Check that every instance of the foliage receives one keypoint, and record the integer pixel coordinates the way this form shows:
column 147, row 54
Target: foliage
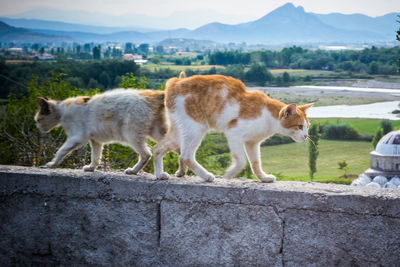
column 90, row 74
column 277, row 139
column 398, row 38
column 258, row 73
column 386, row 125
column 378, row 135
column 229, row 58
column 313, row 149
column 340, row 131
column 363, row 126
column 130, row 81
column 18, row 132
column 343, row 166
column 372, row 60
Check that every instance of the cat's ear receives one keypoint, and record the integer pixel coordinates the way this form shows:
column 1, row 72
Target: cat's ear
column 306, row 106
column 44, row 105
column 290, row 110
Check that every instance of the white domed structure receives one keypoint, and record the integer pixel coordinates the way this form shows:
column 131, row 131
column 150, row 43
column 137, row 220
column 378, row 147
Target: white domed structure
column 385, row 160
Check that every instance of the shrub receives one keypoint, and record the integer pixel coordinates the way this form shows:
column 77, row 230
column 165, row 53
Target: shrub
column 378, row 135
column 277, row 139
column 386, row 125
column 340, row 131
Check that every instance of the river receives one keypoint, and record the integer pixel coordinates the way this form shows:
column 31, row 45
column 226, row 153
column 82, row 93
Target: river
column 380, row 110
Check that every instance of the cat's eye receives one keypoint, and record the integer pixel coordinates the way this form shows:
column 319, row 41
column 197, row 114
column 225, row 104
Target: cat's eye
column 300, row 127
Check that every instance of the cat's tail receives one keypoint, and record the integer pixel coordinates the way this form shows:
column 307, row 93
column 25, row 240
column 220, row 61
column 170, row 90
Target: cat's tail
column 171, row 82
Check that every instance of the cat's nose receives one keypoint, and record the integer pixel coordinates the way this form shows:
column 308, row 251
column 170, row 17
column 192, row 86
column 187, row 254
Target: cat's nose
column 305, row 136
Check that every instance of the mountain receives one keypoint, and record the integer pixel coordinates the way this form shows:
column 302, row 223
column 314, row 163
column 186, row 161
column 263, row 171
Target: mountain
column 125, row 36
column 385, row 25
column 286, row 24
column 192, row 18
column 69, row 27
column 13, row 34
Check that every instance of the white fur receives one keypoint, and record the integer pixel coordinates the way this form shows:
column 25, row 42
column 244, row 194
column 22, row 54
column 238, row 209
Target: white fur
column 243, row 139
column 116, row 116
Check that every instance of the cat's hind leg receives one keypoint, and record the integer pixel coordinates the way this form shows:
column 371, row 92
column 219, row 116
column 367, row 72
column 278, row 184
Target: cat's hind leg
column 182, row 166
column 253, row 153
column 140, row 146
column 168, row 143
column 96, row 152
column 190, row 137
column 236, row 148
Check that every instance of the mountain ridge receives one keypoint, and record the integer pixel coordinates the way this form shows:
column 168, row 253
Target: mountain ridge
column 286, row 24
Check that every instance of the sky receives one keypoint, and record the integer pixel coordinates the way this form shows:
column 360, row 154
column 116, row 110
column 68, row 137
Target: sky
column 187, row 13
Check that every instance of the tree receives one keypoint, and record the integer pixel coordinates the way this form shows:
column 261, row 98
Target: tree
column 130, row 81
column 143, row 48
column 398, row 38
column 105, row 79
column 96, row 52
column 386, row 126
column 128, row 48
column 378, row 135
column 313, row 148
column 343, row 166
column 285, row 77
column 258, row 73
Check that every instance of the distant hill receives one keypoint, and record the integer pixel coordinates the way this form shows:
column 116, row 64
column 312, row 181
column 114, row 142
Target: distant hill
column 286, row 24
column 13, row 34
column 126, row 36
column 68, row 27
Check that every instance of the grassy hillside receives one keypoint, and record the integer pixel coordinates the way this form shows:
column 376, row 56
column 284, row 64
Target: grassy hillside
column 290, row 161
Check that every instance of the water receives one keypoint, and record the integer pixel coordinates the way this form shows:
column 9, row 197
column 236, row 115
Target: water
column 382, row 110
column 394, row 92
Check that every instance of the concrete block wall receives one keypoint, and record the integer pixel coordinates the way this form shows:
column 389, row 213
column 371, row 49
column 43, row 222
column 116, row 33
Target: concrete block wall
column 68, row 217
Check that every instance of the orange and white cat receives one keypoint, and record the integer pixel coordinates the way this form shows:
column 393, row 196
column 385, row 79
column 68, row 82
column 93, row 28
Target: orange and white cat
column 124, row 116
column 198, row 103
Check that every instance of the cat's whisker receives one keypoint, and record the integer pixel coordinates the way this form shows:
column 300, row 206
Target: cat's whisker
column 311, row 141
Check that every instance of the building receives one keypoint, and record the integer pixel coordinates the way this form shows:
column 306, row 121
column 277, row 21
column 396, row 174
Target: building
column 137, row 58
column 385, row 159
column 384, row 168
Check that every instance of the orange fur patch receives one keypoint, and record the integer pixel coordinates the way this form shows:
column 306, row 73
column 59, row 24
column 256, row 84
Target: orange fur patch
column 232, row 123
column 207, row 95
column 79, row 100
column 294, row 120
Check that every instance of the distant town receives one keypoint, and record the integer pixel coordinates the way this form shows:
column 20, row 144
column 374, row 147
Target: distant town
column 139, row 53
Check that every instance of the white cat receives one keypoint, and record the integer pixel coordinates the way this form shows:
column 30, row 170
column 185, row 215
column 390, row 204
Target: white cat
column 198, row 103
column 124, row 116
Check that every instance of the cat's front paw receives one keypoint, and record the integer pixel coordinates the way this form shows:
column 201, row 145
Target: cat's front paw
column 88, row 168
column 163, row 176
column 209, row 177
column 267, row 178
column 131, row 171
column 50, row 164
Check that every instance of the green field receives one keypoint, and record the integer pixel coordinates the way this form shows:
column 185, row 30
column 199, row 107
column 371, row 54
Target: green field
column 364, row 126
column 302, row 72
column 290, row 161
